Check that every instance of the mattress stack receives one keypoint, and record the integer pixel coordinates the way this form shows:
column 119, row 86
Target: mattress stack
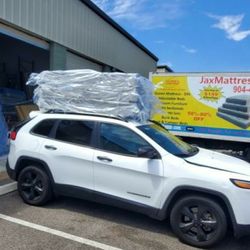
column 236, row 110
column 86, row 91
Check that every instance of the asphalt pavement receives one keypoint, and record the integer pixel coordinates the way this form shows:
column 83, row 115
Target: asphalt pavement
column 67, row 223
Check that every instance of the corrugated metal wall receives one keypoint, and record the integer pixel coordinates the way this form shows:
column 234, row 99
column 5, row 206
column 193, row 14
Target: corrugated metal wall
column 77, row 62
column 74, row 25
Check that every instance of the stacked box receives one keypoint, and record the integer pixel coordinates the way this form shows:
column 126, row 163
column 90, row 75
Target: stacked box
column 87, row 91
column 236, row 110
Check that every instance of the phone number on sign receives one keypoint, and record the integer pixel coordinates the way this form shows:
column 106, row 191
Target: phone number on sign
column 240, row 89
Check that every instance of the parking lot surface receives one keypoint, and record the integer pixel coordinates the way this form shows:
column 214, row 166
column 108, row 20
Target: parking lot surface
column 67, row 223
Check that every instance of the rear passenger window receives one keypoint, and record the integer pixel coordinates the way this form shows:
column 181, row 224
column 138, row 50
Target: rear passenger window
column 44, row 127
column 78, row 132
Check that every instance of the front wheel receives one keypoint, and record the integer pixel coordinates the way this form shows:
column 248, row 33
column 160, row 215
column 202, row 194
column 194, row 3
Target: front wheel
column 34, row 186
column 198, row 221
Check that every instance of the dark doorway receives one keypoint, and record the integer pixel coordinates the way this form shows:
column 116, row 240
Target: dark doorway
column 18, row 60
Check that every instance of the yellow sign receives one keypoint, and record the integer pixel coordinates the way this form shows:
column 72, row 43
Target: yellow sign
column 204, row 104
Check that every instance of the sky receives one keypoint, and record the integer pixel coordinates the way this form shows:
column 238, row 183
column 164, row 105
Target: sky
column 188, row 35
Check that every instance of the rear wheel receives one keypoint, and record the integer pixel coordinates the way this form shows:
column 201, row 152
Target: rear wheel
column 34, row 186
column 198, row 221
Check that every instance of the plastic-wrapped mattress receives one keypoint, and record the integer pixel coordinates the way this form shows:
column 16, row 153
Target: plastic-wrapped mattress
column 87, row 91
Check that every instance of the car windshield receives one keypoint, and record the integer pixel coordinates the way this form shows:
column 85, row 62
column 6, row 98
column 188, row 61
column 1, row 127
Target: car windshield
column 168, row 141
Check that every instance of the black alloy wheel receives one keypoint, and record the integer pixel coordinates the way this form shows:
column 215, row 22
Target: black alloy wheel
column 34, row 186
column 198, row 221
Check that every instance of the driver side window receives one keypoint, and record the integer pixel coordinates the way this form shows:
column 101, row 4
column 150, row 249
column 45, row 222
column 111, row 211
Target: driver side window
column 119, row 139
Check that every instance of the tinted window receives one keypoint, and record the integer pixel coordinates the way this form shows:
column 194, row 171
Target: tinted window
column 119, row 139
column 44, row 127
column 78, row 132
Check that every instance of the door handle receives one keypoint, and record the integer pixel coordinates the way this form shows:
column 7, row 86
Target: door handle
column 49, row 147
column 103, row 158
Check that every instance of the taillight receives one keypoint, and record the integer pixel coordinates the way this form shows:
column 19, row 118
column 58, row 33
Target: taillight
column 13, row 135
column 15, row 129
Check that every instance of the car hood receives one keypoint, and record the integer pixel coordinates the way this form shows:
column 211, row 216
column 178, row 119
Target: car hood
column 215, row 160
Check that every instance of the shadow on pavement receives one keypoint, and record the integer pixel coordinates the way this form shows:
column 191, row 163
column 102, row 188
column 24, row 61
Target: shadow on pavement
column 136, row 220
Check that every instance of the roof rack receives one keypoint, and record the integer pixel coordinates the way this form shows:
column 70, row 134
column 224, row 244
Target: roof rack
column 57, row 111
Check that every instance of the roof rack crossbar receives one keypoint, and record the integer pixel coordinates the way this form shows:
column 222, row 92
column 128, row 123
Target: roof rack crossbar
column 56, row 111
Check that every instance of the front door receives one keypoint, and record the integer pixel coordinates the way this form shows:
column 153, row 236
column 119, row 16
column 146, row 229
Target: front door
column 120, row 173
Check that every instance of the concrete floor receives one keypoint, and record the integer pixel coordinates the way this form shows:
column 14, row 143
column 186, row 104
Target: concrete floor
column 2, row 163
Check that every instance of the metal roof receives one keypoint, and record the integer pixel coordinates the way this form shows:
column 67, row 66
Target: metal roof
column 103, row 15
column 165, row 67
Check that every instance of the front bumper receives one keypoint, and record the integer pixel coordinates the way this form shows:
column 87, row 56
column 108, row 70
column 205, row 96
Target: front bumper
column 11, row 172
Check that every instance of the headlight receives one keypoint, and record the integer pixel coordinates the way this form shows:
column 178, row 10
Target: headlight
column 241, row 183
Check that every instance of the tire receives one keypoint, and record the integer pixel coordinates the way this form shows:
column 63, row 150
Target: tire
column 34, row 186
column 198, row 221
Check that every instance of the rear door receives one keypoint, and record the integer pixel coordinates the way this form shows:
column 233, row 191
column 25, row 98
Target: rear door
column 69, row 153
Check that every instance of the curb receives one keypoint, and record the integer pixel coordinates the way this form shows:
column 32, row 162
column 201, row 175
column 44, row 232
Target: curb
column 8, row 188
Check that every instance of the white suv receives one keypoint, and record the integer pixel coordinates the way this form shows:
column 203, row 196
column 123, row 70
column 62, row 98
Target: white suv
column 132, row 166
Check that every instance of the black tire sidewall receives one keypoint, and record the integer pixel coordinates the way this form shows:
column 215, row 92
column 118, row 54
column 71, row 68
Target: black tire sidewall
column 46, row 195
column 213, row 206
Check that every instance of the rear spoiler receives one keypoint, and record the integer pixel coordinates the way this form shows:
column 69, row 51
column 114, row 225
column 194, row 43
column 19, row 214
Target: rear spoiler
column 33, row 114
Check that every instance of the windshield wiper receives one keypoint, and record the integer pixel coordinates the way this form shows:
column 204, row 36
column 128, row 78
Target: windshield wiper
column 190, row 153
column 194, row 151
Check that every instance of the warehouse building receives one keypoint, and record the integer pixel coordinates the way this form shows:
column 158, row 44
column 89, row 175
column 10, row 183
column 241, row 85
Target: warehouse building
column 37, row 35
column 163, row 69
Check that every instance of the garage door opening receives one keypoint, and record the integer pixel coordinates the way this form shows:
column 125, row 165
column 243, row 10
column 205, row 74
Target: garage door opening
column 17, row 60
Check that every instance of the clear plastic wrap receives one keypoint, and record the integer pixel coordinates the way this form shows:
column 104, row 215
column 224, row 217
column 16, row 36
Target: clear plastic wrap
column 87, row 91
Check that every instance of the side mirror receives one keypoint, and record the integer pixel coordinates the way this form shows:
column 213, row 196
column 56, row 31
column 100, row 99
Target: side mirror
column 147, row 152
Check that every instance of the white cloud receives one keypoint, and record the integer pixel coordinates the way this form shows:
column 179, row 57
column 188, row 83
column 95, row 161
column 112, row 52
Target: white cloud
column 143, row 14
column 231, row 25
column 103, row 4
column 124, row 9
column 188, row 50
